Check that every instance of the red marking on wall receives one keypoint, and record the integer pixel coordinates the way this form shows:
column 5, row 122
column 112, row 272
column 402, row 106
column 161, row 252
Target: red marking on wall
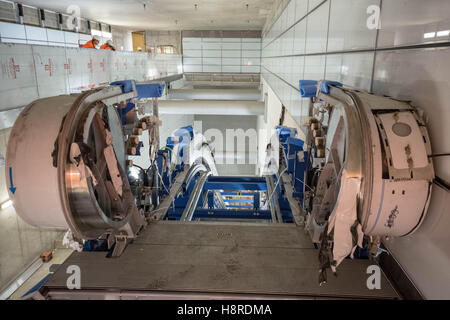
column 10, row 69
column 49, row 67
column 68, row 66
column 91, row 66
column 102, row 65
column 15, row 68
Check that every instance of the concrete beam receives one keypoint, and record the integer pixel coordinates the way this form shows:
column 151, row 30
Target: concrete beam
column 209, row 107
column 215, row 94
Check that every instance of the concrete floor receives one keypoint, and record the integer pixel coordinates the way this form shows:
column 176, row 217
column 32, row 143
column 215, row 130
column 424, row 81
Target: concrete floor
column 212, row 260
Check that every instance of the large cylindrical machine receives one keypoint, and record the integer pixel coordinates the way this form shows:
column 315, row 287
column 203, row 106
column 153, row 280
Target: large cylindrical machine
column 371, row 171
column 66, row 165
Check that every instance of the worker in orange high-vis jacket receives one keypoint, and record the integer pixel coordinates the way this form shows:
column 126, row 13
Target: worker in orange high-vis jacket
column 108, row 46
column 92, row 44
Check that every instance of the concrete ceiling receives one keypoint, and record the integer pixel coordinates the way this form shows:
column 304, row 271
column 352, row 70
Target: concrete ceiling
column 169, row 14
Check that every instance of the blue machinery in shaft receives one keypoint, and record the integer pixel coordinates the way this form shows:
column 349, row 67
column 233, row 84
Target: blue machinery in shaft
column 199, row 195
column 183, row 185
column 188, row 189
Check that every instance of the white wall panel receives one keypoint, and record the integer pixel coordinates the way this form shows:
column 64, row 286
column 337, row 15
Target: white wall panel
column 204, row 40
column 222, row 55
column 211, row 46
column 317, row 29
column 250, row 69
column 314, row 67
column 191, row 45
column 212, row 53
column 188, row 61
column 231, row 46
column 207, row 68
column 192, row 53
column 231, row 54
column 36, row 33
column 18, row 85
column 76, row 65
column 212, row 61
column 231, row 69
column 12, row 30
column 71, row 38
column 251, row 61
column 301, row 7
column 251, row 53
column 352, row 32
column 32, row 72
column 231, row 61
column 251, row 46
column 55, row 36
column 353, row 69
column 313, row 3
column 405, row 22
column 50, row 72
column 299, row 37
column 290, row 16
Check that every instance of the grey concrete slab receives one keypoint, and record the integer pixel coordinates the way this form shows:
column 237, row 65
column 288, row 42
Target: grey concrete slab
column 214, row 258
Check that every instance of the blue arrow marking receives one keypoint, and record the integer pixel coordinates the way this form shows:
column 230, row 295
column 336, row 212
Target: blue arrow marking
column 12, row 188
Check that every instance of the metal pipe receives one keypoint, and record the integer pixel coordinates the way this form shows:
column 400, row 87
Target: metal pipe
column 195, row 196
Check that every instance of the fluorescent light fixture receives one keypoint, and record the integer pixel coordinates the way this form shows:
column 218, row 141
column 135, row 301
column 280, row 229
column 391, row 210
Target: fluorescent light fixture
column 429, row 35
column 443, row 33
column 7, row 204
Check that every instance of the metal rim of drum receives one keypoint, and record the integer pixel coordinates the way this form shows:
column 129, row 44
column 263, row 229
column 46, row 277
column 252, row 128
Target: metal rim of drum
column 354, row 118
column 98, row 223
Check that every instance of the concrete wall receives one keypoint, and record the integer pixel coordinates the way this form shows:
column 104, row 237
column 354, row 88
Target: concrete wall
column 30, row 72
column 20, row 244
column 316, row 39
column 222, row 124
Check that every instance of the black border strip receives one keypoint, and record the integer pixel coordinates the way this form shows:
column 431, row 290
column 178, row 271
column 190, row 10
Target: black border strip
column 442, row 183
column 398, row 277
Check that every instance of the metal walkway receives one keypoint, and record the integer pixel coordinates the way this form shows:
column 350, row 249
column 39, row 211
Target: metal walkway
column 214, row 260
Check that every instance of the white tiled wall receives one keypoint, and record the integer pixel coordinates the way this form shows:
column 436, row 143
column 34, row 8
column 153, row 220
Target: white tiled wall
column 30, row 72
column 19, row 33
column 233, row 55
column 329, row 39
